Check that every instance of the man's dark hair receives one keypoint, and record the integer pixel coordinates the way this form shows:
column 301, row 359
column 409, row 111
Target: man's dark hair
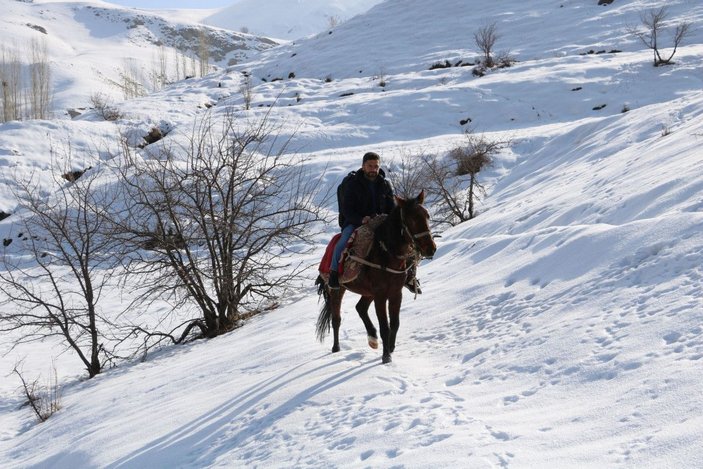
column 371, row 156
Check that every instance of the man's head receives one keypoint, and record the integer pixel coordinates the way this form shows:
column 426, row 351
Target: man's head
column 371, row 165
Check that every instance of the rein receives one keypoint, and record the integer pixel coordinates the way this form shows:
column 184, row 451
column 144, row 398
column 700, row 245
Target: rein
column 415, row 254
column 413, row 236
column 378, row 266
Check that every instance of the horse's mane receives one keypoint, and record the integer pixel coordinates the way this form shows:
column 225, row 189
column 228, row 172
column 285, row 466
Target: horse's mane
column 390, row 233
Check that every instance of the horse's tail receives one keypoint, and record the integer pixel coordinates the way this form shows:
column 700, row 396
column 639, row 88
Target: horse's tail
column 324, row 320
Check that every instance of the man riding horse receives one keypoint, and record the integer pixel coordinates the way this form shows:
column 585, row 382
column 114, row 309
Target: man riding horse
column 368, row 193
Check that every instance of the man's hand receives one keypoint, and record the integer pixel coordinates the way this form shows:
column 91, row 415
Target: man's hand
column 365, row 220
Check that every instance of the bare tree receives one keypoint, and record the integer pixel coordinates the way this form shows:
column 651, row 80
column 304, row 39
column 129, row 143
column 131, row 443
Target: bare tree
column 450, row 199
column 654, row 22
column 485, row 39
column 454, row 197
column 211, row 227
column 203, row 52
column 53, row 279
column 40, row 74
column 469, row 159
column 246, row 88
column 409, row 175
column 11, row 81
column 333, row 21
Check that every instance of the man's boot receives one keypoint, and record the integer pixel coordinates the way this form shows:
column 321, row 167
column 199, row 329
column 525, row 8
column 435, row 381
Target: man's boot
column 413, row 284
column 334, row 280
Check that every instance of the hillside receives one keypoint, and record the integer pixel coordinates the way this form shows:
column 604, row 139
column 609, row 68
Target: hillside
column 91, row 45
column 285, row 20
column 560, row 327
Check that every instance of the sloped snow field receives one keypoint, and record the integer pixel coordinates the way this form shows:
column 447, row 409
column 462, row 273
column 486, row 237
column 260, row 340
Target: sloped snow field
column 561, row 327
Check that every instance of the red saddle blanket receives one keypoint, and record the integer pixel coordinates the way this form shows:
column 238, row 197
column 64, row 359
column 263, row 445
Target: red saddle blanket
column 359, row 245
column 326, row 261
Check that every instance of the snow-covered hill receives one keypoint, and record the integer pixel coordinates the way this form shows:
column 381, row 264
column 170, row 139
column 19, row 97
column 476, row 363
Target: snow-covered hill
column 561, row 327
column 92, row 45
column 287, row 19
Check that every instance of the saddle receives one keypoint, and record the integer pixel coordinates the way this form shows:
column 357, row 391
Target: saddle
column 359, row 245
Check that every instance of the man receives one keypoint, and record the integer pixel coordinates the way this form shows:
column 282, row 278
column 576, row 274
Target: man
column 366, row 195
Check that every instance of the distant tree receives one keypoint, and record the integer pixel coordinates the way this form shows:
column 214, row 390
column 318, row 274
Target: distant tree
column 333, row 21
column 203, row 52
column 654, row 22
column 210, row 224
column 246, row 88
column 485, row 39
column 11, row 81
column 40, row 74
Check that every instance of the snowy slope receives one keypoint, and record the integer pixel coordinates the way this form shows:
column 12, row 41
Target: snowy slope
column 561, row 327
column 92, row 43
column 287, row 19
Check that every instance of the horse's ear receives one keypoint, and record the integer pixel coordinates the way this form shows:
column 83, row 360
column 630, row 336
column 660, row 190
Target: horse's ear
column 399, row 201
column 421, row 197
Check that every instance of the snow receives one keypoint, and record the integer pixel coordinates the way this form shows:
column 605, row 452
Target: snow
column 287, row 19
column 561, row 327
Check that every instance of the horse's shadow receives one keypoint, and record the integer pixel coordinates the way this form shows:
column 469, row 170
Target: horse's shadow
column 201, row 441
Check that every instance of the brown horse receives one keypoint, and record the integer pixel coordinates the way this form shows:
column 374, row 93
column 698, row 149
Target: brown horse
column 399, row 240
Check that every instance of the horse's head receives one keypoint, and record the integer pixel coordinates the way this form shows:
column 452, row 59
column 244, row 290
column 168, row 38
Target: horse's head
column 416, row 224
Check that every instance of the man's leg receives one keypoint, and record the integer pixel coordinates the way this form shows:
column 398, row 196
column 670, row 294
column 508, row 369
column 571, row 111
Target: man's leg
column 334, row 274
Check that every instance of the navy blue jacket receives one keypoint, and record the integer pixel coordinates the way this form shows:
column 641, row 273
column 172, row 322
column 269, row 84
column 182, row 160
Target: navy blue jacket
column 367, row 198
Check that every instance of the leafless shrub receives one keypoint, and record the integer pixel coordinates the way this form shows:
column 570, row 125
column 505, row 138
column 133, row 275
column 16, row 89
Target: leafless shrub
column 44, row 400
column 104, row 107
column 505, row 60
column 654, row 22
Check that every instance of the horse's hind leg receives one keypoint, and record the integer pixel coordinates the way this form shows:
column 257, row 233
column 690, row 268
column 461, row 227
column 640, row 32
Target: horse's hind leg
column 336, row 305
column 362, row 307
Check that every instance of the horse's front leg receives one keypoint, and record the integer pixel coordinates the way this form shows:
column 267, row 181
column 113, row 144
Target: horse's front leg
column 362, row 307
column 394, row 314
column 380, row 304
column 336, row 305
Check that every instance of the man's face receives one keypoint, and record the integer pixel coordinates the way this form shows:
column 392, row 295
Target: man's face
column 371, row 168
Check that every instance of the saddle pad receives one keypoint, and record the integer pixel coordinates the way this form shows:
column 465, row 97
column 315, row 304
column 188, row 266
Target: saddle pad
column 359, row 245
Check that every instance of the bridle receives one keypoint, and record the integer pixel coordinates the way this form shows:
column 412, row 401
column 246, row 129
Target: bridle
column 413, row 236
column 415, row 254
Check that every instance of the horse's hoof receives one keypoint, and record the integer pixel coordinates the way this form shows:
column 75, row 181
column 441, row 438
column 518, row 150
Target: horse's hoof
column 335, row 349
column 386, row 359
column 373, row 342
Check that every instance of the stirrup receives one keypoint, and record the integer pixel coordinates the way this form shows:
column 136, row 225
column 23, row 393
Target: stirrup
column 413, row 285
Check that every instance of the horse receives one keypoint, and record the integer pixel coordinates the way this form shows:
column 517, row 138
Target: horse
column 399, row 241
